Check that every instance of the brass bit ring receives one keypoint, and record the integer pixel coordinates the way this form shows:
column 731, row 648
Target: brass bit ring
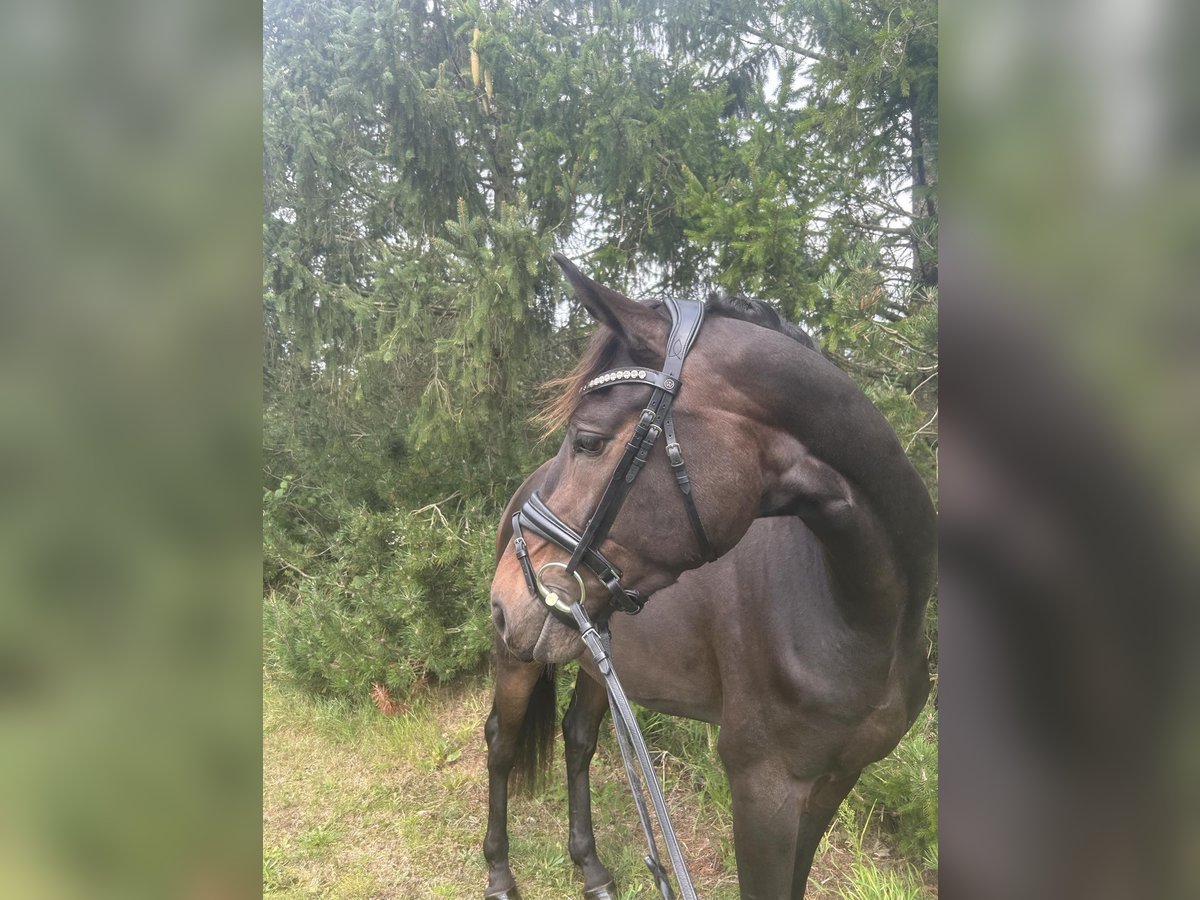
column 550, row 597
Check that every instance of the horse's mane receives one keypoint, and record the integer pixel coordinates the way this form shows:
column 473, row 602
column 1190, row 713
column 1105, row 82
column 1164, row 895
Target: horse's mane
column 563, row 392
column 758, row 313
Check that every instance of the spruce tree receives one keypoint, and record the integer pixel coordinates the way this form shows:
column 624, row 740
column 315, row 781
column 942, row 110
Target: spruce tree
column 422, row 160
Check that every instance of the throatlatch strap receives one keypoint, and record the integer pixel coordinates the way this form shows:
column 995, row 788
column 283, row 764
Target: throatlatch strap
column 675, row 455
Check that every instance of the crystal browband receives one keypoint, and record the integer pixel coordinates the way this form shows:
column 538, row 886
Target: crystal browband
column 633, row 376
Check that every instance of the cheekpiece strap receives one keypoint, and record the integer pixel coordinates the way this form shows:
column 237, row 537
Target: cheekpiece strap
column 686, row 319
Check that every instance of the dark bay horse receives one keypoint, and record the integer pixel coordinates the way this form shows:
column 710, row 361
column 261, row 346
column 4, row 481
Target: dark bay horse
column 804, row 641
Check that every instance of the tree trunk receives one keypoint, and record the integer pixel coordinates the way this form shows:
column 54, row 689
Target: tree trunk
column 924, row 189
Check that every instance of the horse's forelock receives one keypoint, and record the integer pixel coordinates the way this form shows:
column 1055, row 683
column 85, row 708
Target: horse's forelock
column 563, row 393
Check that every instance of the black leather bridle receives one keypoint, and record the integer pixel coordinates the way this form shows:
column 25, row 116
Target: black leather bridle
column 534, row 515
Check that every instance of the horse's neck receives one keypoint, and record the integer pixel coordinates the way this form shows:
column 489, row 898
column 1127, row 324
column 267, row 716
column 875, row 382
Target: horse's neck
column 840, row 468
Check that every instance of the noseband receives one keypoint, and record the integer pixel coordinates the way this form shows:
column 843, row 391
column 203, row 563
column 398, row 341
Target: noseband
column 535, row 515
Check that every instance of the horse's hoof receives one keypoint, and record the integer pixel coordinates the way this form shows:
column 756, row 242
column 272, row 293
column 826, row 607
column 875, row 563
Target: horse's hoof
column 510, row 894
column 604, row 892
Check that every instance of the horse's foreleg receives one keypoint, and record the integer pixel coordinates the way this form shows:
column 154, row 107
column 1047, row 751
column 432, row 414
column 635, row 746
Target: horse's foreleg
column 825, row 795
column 766, row 813
column 515, row 682
column 581, row 728
column 778, row 821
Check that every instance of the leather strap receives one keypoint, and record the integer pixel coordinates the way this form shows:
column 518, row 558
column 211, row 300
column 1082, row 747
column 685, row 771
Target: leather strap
column 686, row 320
column 541, row 521
column 675, row 455
column 628, row 733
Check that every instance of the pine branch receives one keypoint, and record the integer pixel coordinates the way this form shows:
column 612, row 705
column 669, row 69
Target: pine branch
column 782, row 44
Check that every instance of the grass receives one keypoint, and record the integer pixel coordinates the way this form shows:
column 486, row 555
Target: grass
column 360, row 805
column 870, row 882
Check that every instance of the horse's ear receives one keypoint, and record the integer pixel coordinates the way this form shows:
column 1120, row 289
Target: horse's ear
column 640, row 327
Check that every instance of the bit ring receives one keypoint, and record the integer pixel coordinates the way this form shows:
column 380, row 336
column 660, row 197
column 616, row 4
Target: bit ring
column 551, row 598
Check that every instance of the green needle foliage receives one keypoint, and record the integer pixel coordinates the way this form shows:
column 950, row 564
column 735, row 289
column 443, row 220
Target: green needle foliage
column 422, row 160
column 900, row 793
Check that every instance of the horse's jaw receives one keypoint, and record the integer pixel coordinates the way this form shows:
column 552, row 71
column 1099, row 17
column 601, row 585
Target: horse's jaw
column 557, row 642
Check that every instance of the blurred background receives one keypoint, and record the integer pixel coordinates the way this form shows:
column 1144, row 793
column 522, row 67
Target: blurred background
column 131, row 328
column 1070, row 472
column 130, row 177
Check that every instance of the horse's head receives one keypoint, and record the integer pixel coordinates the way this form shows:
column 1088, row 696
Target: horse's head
column 721, row 429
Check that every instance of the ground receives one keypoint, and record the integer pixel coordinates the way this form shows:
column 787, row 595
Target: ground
column 357, row 804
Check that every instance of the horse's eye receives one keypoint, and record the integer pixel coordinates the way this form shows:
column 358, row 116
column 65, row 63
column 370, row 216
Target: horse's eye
column 591, row 444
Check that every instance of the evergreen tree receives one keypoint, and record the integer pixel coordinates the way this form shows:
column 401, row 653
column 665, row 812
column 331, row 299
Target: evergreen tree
column 423, row 158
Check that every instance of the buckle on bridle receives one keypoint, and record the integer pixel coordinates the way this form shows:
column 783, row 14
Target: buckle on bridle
column 628, row 602
column 675, row 454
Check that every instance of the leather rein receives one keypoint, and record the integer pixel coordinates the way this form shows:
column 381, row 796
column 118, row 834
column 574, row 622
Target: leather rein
column 686, row 318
